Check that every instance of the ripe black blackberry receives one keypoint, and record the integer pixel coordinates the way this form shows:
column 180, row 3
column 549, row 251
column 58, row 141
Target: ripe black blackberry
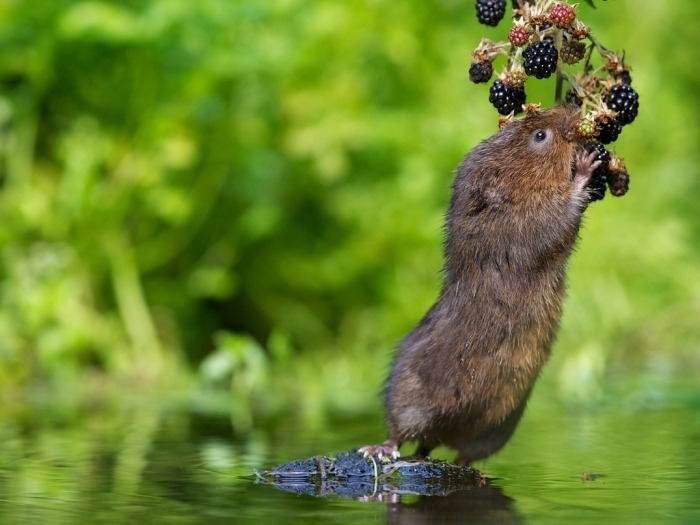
column 603, row 154
column 490, row 12
column 624, row 76
column 506, row 99
column 540, row 59
column 597, row 186
column 625, row 100
column 573, row 98
column 480, row 72
column 608, row 129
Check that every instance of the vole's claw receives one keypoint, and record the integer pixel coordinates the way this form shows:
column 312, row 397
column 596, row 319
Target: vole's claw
column 389, row 449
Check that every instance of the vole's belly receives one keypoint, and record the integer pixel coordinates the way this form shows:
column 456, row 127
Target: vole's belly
column 471, row 397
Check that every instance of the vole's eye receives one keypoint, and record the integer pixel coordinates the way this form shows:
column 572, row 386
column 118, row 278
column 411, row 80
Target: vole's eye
column 541, row 139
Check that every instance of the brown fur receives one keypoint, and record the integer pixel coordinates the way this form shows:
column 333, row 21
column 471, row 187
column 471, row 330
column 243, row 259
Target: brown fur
column 462, row 377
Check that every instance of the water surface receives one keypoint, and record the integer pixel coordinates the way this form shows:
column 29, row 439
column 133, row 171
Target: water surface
column 630, row 459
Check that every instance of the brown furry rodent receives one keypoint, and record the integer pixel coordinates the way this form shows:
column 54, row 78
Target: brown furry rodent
column 462, row 377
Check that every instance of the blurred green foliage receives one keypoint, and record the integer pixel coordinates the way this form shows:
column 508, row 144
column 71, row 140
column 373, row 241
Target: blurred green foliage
column 277, row 173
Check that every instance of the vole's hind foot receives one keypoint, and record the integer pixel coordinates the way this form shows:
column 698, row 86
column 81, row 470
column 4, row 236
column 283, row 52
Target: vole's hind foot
column 389, row 449
column 584, row 166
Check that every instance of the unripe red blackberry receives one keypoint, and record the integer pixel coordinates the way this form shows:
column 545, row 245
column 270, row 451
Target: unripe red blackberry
column 562, row 15
column 480, row 72
column 625, row 100
column 608, row 129
column 490, row 12
column 518, row 35
column 506, row 99
column 540, row 59
column 572, row 51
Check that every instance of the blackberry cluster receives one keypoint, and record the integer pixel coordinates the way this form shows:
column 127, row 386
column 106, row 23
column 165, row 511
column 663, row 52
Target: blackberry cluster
column 625, row 100
column 480, row 72
column 506, row 99
column 545, row 39
column 490, row 12
column 541, row 59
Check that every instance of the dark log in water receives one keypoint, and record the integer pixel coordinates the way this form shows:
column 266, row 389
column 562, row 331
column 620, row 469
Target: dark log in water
column 352, row 475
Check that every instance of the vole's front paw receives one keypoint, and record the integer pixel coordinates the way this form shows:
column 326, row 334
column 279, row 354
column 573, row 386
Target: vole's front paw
column 585, row 164
column 387, row 449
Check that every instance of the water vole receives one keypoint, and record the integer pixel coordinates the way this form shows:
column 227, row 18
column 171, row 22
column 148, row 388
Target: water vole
column 462, row 377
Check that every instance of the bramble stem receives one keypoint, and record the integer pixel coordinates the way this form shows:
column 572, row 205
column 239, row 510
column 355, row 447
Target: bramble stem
column 559, row 87
column 560, row 76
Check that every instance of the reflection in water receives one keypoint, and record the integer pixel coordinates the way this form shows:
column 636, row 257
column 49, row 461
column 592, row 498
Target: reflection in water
column 487, row 504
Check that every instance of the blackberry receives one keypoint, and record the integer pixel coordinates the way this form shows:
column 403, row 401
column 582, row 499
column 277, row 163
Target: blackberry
column 624, row 76
column 608, row 130
column 603, row 154
column 586, row 128
column 572, row 51
column 506, row 99
column 617, row 176
column 619, row 183
column 518, row 35
column 480, row 72
column 596, row 187
column 562, row 15
column 573, row 98
column 625, row 100
column 540, row 59
column 514, row 78
column 490, row 12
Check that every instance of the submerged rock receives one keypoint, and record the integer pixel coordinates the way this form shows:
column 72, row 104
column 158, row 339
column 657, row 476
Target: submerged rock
column 352, row 475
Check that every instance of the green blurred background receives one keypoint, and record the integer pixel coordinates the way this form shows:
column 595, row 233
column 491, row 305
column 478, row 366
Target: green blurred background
column 246, row 198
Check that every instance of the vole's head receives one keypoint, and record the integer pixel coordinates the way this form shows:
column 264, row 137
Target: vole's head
column 535, row 154
column 548, row 141
column 526, row 164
